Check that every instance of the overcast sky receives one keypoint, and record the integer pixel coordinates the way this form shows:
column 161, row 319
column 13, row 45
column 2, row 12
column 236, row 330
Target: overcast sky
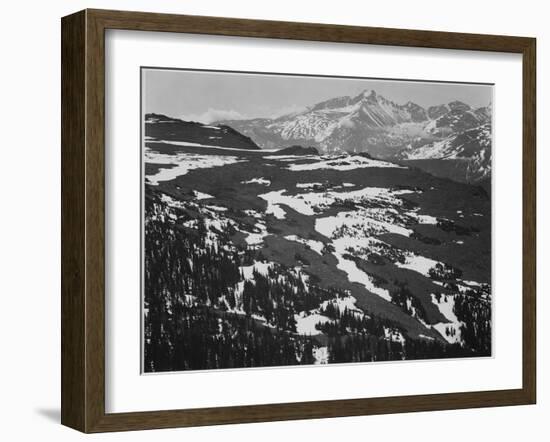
column 210, row 96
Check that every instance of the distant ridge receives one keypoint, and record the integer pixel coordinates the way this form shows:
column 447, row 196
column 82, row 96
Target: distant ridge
column 163, row 127
column 297, row 150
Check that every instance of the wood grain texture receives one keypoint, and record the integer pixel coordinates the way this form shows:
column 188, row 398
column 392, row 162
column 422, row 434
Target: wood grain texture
column 83, row 220
column 144, row 21
column 73, row 128
column 529, row 221
column 95, row 221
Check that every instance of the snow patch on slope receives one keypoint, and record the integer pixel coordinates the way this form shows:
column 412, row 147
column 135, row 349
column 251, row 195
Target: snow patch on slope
column 305, row 323
column 182, row 163
column 312, row 244
column 261, row 180
column 417, row 263
column 449, row 330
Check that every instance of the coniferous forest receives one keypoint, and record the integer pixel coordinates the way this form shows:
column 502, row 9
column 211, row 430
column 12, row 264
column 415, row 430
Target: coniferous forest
column 202, row 312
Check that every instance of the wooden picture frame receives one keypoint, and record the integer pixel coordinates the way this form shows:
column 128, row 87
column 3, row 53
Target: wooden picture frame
column 83, row 220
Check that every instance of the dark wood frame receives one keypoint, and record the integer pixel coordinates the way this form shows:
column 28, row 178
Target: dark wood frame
column 83, row 216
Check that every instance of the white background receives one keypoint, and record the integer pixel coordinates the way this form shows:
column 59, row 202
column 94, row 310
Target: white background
column 30, row 225
column 128, row 391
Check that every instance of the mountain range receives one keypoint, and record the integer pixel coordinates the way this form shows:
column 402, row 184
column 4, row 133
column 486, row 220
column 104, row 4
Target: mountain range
column 451, row 140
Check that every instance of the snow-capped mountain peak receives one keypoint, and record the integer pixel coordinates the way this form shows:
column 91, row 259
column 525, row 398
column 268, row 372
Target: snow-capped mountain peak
column 459, row 106
column 367, row 122
column 369, row 94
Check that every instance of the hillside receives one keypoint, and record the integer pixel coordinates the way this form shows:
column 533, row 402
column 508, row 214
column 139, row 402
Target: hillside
column 161, row 127
column 297, row 258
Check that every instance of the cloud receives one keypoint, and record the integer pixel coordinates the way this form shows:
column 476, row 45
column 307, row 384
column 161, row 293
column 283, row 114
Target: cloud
column 212, row 115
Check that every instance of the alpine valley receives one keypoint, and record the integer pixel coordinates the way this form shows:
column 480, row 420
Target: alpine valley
column 358, row 230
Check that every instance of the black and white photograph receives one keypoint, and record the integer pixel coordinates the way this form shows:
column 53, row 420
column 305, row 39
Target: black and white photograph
column 299, row 219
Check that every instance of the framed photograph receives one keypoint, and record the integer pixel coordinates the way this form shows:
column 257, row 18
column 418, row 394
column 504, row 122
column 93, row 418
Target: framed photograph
column 269, row 220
